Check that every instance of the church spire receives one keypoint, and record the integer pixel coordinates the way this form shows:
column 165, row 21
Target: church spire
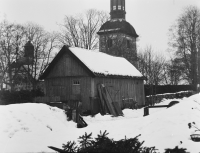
column 117, row 9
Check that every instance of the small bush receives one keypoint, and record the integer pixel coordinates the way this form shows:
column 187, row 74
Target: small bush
column 176, row 150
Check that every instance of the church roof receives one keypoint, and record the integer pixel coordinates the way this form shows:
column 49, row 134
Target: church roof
column 118, row 25
column 98, row 63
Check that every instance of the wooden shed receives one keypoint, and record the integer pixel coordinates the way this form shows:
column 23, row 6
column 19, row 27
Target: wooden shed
column 75, row 73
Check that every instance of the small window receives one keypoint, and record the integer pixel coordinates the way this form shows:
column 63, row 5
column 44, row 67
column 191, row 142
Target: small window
column 76, row 82
column 109, row 43
column 128, row 43
column 114, row 3
column 119, row 7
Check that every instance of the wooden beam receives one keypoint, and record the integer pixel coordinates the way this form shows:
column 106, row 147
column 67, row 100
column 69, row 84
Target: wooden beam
column 158, row 106
column 108, row 100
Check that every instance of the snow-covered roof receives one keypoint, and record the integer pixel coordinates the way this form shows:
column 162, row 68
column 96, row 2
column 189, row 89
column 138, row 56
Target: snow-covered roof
column 97, row 63
column 106, row 30
column 102, row 63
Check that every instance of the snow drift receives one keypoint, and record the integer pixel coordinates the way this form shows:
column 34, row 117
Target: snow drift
column 33, row 127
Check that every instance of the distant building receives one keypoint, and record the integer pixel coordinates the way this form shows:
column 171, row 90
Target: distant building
column 117, row 36
column 21, row 77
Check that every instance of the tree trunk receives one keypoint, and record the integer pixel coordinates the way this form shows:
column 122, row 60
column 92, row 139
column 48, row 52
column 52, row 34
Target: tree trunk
column 194, row 69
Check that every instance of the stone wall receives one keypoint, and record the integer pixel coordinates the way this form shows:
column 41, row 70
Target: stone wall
column 119, row 46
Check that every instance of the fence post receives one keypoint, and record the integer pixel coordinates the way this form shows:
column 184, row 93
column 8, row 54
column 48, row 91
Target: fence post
column 146, row 111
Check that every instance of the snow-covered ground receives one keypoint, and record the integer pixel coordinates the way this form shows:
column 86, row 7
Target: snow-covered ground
column 32, row 127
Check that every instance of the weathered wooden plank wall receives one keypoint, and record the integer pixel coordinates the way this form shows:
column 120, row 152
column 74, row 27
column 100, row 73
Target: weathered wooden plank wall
column 123, row 88
column 67, row 66
column 63, row 87
column 118, row 88
column 86, row 92
column 61, row 80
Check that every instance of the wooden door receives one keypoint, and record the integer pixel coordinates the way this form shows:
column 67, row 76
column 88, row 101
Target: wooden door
column 76, row 89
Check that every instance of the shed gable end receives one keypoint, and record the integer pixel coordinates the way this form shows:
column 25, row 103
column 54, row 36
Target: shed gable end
column 67, row 66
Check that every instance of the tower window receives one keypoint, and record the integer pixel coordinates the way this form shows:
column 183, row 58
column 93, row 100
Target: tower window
column 123, row 4
column 128, row 44
column 114, row 4
column 109, row 43
column 120, row 3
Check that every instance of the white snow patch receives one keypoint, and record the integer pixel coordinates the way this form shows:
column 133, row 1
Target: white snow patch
column 106, row 30
column 33, row 127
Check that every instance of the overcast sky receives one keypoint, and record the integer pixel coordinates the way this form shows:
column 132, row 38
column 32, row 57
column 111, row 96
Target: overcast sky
column 150, row 18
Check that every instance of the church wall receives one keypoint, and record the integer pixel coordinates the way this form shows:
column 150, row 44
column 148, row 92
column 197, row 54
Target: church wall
column 119, row 46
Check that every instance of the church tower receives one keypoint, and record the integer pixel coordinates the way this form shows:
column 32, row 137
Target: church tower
column 117, row 37
column 117, row 9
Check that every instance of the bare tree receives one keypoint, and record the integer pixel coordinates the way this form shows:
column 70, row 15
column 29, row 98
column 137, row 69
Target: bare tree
column 15, row 67
column 11, row 38
column 151, row 65
column 173, row 72
column 44, row 43
column 185, row 38
column 81, row 30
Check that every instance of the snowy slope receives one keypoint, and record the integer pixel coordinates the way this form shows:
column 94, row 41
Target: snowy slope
column 32, row 127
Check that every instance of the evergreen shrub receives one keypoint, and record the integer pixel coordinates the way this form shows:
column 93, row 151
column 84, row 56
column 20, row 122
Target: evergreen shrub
column 102, row 143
